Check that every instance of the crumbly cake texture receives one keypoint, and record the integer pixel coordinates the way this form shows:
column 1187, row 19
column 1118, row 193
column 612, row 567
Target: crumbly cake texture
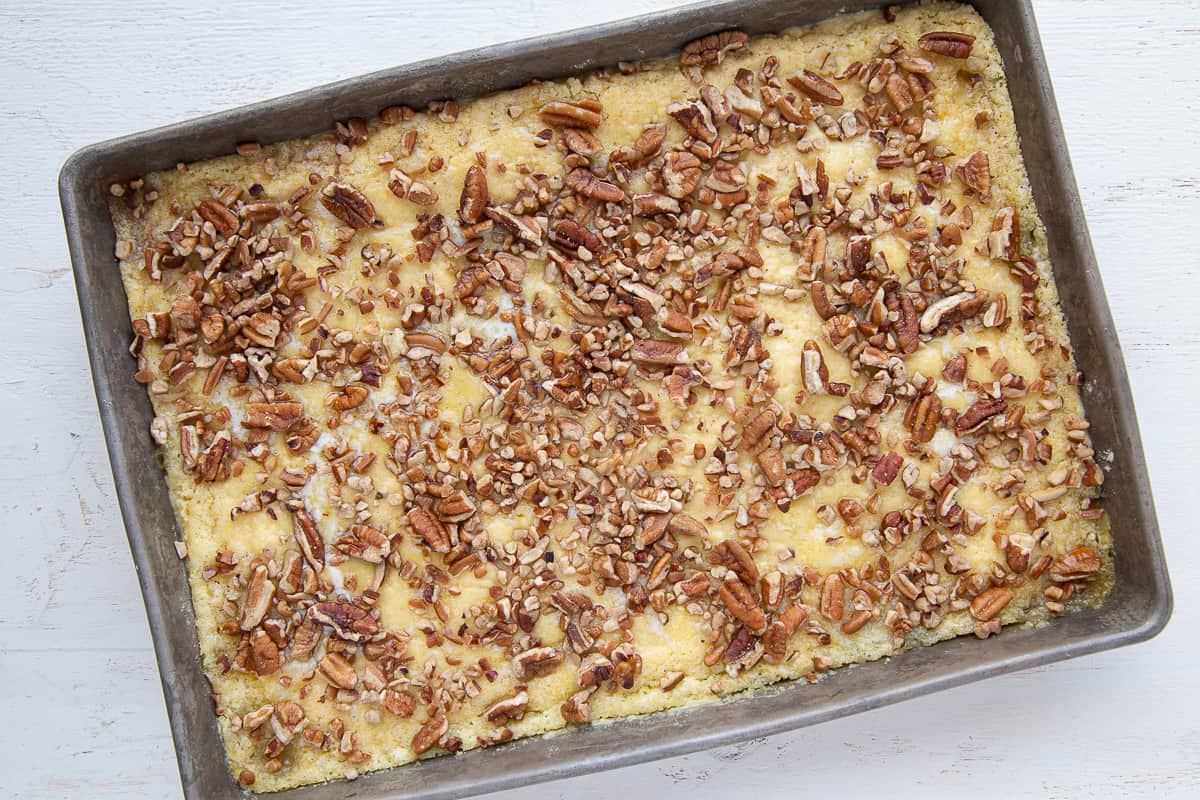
column 611, row 395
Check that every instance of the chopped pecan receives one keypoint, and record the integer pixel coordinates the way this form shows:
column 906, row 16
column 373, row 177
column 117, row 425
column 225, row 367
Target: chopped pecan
column 653, row 528
column 711, row 49
column 470, row 279
column 524, row 228
column 1004, row 241
column 474, row 200
column 684, row 525
column 454, row 507
column 575, row 709
column 646, row 205
column 348, row 204
column 816, row 87
column 951, row 44
column 758, row 427
column 430, row 529
column 398, row 702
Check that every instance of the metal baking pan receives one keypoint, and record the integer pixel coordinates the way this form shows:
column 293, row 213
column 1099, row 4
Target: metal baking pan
column 1137, row 609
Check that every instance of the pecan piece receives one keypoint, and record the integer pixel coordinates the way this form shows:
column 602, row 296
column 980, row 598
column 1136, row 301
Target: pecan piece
column 1004, row 241
column 771, row 463
column 711, row 49
column 398, row 702
column 454, row 507
column 899, row 93
column 580, row 141
column 647, row 205
column 1078, row 564
column 474, row 200
column 979, row 412
column 585, row 114
column 348, row 621
column 524, row 228
column 908, row 325
column 470, row 279
column 653, row 528
column 224, row 220
column 812, row 256
column 990, row 602
column 338, row 671
column 264, row 653
column 816, row 87
column 430, row 733
column 740, row 602
column 923, row 417
column 575, row 709
column 348, row 204
column 430, row 529
column 936, row 311
column 951, row 44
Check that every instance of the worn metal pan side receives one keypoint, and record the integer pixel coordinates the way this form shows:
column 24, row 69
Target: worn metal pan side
column 1138, row 608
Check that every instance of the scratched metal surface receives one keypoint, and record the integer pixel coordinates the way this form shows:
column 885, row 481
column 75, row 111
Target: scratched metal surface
column 80, row 688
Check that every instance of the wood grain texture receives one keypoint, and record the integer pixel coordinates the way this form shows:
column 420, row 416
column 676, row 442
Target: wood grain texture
column 80, row 693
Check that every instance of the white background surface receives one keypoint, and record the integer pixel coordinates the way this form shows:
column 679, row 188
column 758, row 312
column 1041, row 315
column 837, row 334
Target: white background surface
column 81, row 711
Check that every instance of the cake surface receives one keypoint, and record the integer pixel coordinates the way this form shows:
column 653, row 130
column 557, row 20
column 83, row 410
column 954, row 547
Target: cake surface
column 611, row 395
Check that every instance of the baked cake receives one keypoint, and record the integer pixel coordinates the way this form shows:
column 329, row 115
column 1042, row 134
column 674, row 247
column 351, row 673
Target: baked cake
column 610, row 395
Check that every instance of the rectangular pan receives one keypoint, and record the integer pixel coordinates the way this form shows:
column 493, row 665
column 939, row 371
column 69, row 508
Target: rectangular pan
column 1137, row 609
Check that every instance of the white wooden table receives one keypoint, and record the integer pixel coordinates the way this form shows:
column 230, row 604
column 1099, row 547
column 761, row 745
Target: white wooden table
column 81, row 709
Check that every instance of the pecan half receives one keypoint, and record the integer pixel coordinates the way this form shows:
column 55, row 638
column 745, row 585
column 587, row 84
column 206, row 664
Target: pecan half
column 646, row 205
column 585, row 114
column 430, row 733
column 771, row 463
column 524, row 228
column 951, row 44
column 656, row 352
column 812, row 256
column 277, row 416
column 588, row 184
column 536, row 661
column 711, row 49
column 978, row 413
column 338, row 671
column 653, row 528
column 1078, row 564
column 308, row 536
column 568, row 235
column 474, row 200
column 976, row 173
column 507, row 708
column 430, row 529
column 684, row 525
column 224, row 220
column 923, row 417
column 833, row 597
column 740, row 602
column 348, row 204
column 398, row 702
column 580, row 141
column 990, row 602
column 682, row 174
column 1004, row 241
column 936, row 311
column 887, row 468
column 348, row 621
column 258, row 598
column 696, row 119
column 816, row 87
column 733, row 556
column 264, row 653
